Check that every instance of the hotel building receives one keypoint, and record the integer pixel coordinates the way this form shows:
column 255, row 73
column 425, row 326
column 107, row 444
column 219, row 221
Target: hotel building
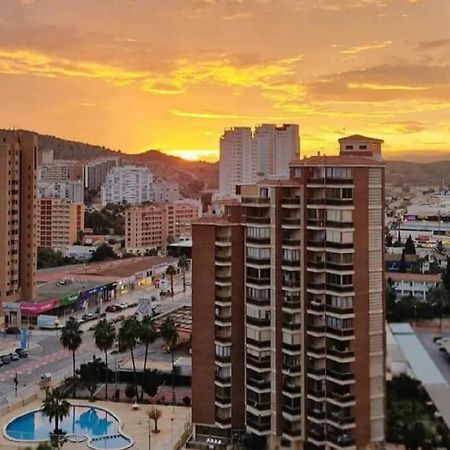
column 288, row 314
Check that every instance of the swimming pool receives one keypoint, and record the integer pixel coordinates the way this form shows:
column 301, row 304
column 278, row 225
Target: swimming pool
column 101, row 427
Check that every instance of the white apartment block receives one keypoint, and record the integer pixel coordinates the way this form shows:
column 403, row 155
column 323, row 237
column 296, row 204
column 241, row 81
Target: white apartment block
column 73, row 191
column 165, row 192
column 247, row 157
column 131, row 184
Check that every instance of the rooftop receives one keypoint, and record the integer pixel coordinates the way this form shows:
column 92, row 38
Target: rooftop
column 408, row 276
column 359, row 137
column 337, row 160
column 50, row 291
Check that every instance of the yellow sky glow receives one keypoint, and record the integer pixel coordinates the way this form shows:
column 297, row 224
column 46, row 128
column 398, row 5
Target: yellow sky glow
column 172, row 75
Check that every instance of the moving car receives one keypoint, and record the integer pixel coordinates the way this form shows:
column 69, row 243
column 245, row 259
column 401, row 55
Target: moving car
column 87, row 317
column 112, row 308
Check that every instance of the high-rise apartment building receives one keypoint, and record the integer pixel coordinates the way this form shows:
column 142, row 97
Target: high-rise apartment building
column 18, row 165
column 127, row 183
column 95, row 172
column 288, row 314
column 59, row 223
column 148, row 227
column 236, row 160
column 246, row 157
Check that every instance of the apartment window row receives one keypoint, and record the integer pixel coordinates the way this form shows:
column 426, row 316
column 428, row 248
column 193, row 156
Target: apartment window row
column 291, row 254
column 340, row 302
column 258, row 253
column 258, row 294
column 339, row 324
column 339, row 279
column 223, row 351
column 254, row 232
column 339, row 193
column 340, row 237
column 339, row 215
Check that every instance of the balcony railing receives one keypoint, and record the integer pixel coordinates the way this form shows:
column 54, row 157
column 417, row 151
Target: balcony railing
column 223, row 358
column 259, row 281
column 347, row 332
column 290, row 263
column 340, row 353
column 223, row 421
column 336, row 224
column 226, row 318
column 258, row 261
column 291, row 283
column 223, row 278
column 342, row 376
column 224, row 379
column 291, row 367
column 256, row 200
column 290, row 200
column 291, row 304
column 341, row 440
column 292, row 242
column 342, row 397
column 258, row 240
column 290, row 221
column 316, row 306
column 257, row 219
column 339, row 201
column 223, row 258
column 292, row 388
column 339, row 266
column 292, row 347
column 340, row 287
column 258, row 322
column 316, row 286
column 340, row 245
column 258, row 384
column 262, row 363
column 258, row 425
column 258, row 301
column 259, row 344
column 291, row 325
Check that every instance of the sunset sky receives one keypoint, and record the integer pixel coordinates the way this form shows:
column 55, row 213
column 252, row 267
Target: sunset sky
column 172, row 74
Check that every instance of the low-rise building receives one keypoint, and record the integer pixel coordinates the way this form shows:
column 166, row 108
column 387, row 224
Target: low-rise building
column 152, row 226
column 59, row 223
column 73, row 191
column 413, row 284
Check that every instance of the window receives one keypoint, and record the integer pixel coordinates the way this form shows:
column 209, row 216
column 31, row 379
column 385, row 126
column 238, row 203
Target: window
column 339, row 324
column 339, row 172
column 297, row 172
column 254, row 232
column 340, row 302
column 258, row 253
column 340, row 237
column 339, row 215
column 349, row 147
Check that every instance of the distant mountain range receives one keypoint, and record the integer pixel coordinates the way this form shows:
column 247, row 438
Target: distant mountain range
column 196, row 176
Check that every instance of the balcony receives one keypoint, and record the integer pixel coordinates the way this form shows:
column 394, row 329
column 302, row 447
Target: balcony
column 223, row 318
column 338, row 310
column 315, row 264
column 341, row 376
column 339, row 332
column 255, row 201
column 260, row 363
column 223, row 239
column 335, row 224
column 296, row 348
column 314, row 286
column 316, row 306
column 224, row 339
column 316, row 223
column 341, row 440
column 339, row 201
column 290, row 201
column 291, row 283
column 292, row 388
column 339, row 266
column 292, row 410
column 258, row 261
column 290, row 263
column 257, row 220
column 340, row 245
column 258, row 344
column 223, row 278
column 316, row 327
column 291, row 368
column 289, row 304
column 291, row 242
column 343, row 353
column 258, row 281
column 316, row 201
column 258, row 301
column 318, row 351
column 260, row 406
column 340, row 287
column 318, row 372
column 294, row 326
column 223, row 379
column 340, row 419
column 258, row 322
column 223, row 398
column 316, row 243
column 223, row 358
column 223, row 259
column 316, row 392
column 290, row 221
column 291, row 430
column 259, row 384
column 343, row 398
column 223, row 421
column 223, row 298
column 258, row 425
column 258, row 240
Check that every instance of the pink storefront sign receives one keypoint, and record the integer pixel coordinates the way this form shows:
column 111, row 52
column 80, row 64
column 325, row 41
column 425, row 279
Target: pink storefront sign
column 34, row 309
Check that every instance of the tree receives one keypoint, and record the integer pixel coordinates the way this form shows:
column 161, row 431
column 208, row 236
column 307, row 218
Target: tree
column 103, row 252
column 183, row 264
column 128, row 338
column 440, row 249
column 402, row 266
column 55, row 406
column 149, row 382
column 155, row 414
column 90, row 374
column 170, row 239
column 105, row 335
column 438, row 297
column 147, row 335
column 170, row 335
column 410, row 247
column 171, row 272
column 71, row 339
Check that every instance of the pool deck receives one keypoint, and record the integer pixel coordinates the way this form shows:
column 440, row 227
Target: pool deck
column 135, row 424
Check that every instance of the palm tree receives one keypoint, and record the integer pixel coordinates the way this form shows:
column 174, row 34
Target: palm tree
column 128, row 338
column 170, row 335
column 147, row 336
column 183, row 264
column 171, row 272
column 55, row 407
column 105, row 335
column 155, row 414
column 71, row 340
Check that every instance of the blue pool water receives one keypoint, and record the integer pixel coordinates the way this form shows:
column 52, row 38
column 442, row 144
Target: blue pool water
column 83, row 420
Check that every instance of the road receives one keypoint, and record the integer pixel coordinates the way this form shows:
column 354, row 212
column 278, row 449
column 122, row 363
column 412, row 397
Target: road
column 48, row 356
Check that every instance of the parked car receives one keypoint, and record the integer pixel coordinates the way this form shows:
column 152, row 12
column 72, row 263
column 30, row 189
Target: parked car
column 6, row 359
column 14, row 356
column 112, row 308
column 22, row 353
column 87, row 317
column 12, row 330
column 162, row 293
column 123, row 306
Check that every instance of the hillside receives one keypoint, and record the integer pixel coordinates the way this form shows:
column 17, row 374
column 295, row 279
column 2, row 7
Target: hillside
column 418, row 174
column 195, row 176
column 192, row 176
